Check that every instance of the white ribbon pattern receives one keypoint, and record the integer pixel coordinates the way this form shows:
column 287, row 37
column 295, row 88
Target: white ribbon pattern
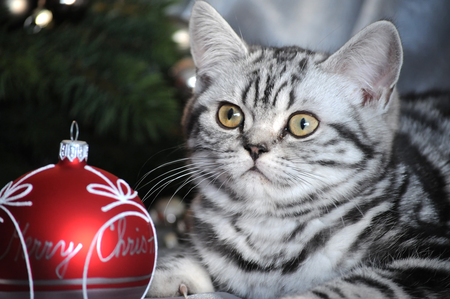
column 122, row 193
column 8, row 196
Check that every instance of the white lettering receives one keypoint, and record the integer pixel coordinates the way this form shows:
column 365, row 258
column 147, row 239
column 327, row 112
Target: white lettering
column 128, row 246
column 38, row 249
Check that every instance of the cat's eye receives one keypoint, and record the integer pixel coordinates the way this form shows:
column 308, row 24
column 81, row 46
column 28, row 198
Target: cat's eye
column 302, row 124
column 230, row 116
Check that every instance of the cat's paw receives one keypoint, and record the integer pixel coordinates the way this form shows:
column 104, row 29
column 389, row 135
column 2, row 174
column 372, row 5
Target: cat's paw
column 176, row 273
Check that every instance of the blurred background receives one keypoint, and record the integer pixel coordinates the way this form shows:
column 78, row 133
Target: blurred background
column 122, row 70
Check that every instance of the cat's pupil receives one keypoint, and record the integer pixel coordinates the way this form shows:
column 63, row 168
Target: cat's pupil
column 230, row 113
column 303, row 123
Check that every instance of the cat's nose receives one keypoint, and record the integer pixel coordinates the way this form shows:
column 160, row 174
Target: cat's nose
column 256, row 150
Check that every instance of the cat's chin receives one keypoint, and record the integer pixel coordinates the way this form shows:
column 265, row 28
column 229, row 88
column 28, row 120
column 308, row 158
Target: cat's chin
column 256, row 184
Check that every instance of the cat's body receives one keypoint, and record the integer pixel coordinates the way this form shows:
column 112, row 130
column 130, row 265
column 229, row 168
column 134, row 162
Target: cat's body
column 314, row 181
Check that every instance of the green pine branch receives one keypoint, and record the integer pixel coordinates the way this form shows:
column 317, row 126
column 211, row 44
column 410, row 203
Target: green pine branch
column 109, row 71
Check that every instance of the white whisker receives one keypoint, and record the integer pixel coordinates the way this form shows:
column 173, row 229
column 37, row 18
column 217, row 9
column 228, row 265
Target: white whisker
column 188, row 181
column 212, row 181
column 161, row 187
column 192, row 169
column 160, row 166
column 185, row 167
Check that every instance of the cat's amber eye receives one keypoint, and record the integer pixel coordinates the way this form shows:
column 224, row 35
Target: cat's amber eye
column 302, row 124
column 230, row 116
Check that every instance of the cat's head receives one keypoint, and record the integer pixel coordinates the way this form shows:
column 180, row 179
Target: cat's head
column 277, row 127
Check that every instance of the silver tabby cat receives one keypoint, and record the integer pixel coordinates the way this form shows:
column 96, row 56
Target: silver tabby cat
column 314, row 180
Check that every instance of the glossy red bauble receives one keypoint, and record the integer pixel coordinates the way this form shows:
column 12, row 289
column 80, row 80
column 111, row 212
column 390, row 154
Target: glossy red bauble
column 74, row 231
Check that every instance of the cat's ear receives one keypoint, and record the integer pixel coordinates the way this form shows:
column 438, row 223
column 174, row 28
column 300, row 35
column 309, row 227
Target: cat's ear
column 212, row 39
column 372, row 58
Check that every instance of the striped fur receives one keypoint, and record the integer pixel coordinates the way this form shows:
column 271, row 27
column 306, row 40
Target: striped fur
column 360, row 208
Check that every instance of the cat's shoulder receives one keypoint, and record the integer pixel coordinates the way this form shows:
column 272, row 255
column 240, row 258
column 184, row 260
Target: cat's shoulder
column 424, row 129
column 434, row 99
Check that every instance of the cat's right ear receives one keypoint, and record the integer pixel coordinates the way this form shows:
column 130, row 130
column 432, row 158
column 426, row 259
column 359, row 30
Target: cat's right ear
column 212, row 39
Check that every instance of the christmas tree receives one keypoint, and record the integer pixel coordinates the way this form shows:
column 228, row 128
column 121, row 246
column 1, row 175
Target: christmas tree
column 105, row 65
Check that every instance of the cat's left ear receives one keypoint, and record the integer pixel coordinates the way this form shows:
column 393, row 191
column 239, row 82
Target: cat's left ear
column 212, row 39
column 372, row 58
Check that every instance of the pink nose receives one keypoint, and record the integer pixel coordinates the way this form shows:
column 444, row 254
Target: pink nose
column 256, row 150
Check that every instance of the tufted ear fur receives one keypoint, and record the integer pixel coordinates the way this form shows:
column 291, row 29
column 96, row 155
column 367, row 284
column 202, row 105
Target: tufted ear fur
column 372, row 58
column 212, row 39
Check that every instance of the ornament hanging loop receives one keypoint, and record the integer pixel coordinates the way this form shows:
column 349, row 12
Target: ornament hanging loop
column 74, row 124
column 71, row 149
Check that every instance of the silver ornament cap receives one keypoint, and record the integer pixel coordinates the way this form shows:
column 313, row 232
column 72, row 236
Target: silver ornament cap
column 73, row 148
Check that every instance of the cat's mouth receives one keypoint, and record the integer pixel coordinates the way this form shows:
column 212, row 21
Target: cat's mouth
column 256, row 170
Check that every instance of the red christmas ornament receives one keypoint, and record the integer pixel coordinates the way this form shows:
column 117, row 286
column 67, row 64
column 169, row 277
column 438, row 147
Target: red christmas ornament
column 72, row 230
